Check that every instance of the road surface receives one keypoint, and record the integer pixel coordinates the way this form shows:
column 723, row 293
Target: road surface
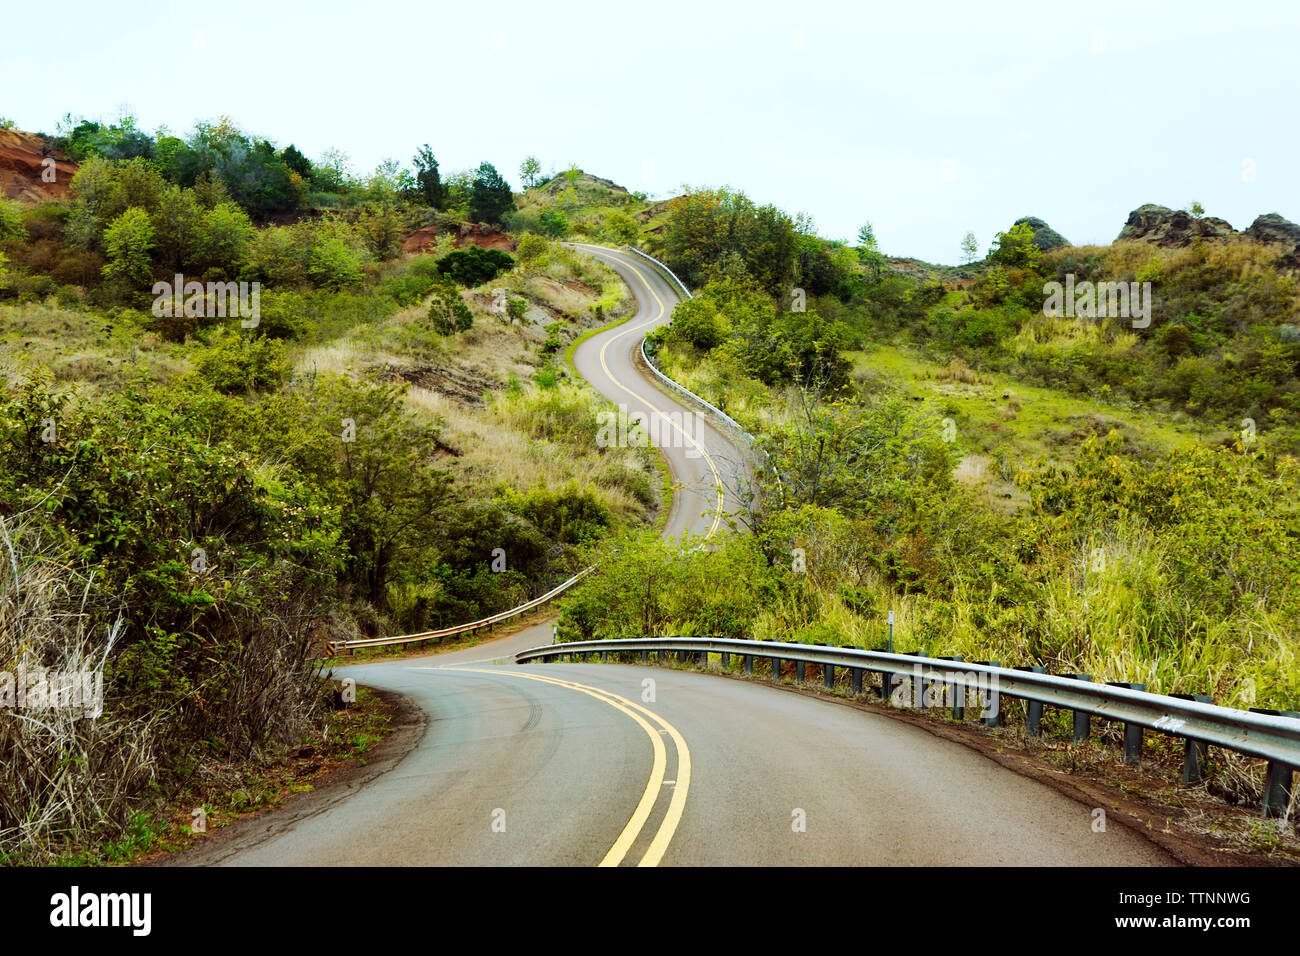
column 590, row 764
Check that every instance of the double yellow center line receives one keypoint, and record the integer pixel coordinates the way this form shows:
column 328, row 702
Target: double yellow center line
column 720, row 508
column 658, row 771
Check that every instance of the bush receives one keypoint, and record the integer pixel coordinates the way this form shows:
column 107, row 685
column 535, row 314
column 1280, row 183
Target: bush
column 232, row 364
column 553, row 223
column 448, row 312
column 474, row 266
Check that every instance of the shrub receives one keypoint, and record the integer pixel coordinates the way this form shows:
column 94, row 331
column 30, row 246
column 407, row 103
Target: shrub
column 232, row 364
column 474, row 266
column 448, row 312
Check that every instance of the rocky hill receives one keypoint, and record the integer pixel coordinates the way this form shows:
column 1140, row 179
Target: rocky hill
column 1175, row 228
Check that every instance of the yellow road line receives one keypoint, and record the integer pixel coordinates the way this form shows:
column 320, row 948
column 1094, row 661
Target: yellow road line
column 676, row 804
column 717, row 479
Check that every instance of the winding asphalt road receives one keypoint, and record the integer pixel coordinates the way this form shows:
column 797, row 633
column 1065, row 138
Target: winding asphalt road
column 585, row 764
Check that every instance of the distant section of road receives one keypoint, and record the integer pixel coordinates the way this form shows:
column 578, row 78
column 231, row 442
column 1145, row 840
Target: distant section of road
column 705, row 465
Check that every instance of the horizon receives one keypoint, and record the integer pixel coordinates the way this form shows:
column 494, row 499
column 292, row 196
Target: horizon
column 973, row 143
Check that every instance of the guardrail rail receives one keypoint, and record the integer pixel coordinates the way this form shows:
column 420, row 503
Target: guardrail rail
column 931, row 683
column 351, row 646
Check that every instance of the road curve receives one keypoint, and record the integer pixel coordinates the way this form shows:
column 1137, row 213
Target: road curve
column 589, row 764
column 708, row 471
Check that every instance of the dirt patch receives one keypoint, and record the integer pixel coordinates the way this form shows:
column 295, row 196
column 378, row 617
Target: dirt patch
column 24, row 172
column 460, row 385
column 466, row 234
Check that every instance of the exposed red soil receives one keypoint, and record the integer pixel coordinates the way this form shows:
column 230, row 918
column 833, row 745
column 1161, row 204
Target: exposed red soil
column 469, row 234
column 23, row 172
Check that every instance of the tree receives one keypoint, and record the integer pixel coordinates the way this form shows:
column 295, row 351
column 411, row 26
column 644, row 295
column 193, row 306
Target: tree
column 11, row 222
column 869, row 250
column 128, row 241
column 226, row 239
column 970, row 250
column 428, row 178
column 718, row 232
column 381, row 229
column 1196, row 209
column 553, row 223
column 490, row 197
column 448, row 312
column 1015, row 249
column 178, row 224
column 296, row 161
column 529, row 170
column 475, row 265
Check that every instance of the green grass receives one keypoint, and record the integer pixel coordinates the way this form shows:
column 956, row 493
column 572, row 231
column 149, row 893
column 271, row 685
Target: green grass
column 1005, row 424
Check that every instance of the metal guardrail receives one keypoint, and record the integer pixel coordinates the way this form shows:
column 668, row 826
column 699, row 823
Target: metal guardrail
column 668, row 272
column 336, row 646
column 1272, row 736
column 671, row 383
column 350, row 646
column 683, row 390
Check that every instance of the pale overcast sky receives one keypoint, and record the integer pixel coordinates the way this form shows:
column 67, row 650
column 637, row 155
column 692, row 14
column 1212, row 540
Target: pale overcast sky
column 928, row 119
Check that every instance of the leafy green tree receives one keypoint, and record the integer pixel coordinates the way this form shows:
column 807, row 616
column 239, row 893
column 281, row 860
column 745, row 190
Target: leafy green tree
column 11, row 221
column 970, row 249
column 335, row 258
column 178, row 223
column 553, row 223
column 234, row 364
column 332, row 173
column 621, row 228
column 698, row 323
column 384, row 182
column 296, row 161
column 382, row 228
column 474, row 265
column 490, row 196
column 529, row 170
column 723, row 233
column 1016, row 249
column 226, row 239
column 428, row 179
column 128, row 241
column 448, row 312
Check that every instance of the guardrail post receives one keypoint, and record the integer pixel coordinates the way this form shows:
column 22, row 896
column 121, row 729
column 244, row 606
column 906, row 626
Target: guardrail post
column 645, row 657
column 996, row 718
column 958, row 696
column 1195, row 752
column 918, row 685
column 681, row 657
column 776, row 669
column 886, row 679
column 828, row 671
column 726, row 660
column 798, row 672
column 1132, row 732
column 1082, row 719
column 604, row 657
column 704, row 659
column 1033, row 708
column 855, row 680
column 1278, row 776
column 748, row 661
